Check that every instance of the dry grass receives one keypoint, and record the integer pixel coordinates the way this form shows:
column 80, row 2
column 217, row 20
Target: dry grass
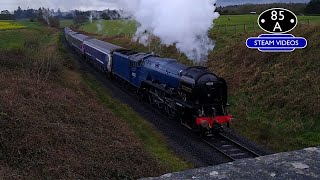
column 53, row 126
column 48, row 130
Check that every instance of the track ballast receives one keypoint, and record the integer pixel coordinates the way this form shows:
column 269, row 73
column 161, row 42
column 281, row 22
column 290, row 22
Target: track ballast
column 229, row 147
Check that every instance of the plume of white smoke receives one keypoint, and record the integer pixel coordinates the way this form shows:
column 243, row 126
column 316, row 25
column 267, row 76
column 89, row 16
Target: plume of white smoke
column 91, row 17
column 46, row 15
column 94, row 15
column 183, row 23
column 99, row 26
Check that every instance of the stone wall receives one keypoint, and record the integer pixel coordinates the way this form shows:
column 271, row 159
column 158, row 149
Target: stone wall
column 303, row 164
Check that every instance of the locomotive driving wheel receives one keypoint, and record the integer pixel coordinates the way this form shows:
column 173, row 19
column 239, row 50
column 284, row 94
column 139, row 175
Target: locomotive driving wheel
column 170, row 108
column 156, row 98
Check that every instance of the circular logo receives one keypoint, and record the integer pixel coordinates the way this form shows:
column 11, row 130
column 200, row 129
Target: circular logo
column 277, row 20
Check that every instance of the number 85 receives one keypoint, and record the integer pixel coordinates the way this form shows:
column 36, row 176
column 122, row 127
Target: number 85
column 274, row 15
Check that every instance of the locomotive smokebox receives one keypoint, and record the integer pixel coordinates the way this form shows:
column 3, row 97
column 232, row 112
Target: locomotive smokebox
column 207, row 88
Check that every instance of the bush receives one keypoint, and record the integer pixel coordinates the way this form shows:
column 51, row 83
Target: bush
column 54, row 22
column 6, row 17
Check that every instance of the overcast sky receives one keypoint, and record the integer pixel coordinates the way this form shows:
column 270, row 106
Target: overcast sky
column 66, row 5
column 62, row 4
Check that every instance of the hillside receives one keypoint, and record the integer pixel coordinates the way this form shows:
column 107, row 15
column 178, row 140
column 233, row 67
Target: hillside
column 274, row 96
column 54, row 125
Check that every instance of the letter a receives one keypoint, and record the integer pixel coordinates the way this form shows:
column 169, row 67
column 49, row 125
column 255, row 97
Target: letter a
column 277, row 26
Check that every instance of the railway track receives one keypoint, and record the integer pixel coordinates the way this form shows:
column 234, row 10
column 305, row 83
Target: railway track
column 229, row 147
column 179, row 139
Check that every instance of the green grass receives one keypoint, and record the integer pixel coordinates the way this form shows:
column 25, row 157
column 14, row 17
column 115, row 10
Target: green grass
column 117, row 27
column 252, row 18
column 227, row 23
column 15, row 38
column 151, row 139
column 66, row 23
column 11, row 39
column 312, row 19
column 236, row 19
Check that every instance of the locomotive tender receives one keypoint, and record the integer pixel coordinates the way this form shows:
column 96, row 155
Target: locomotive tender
column 191, row 95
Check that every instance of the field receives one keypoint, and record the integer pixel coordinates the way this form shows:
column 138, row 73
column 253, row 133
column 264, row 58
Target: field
column 275, row 103
column 58, row 123
column 5, row 25
column 249, row 19
column 116, row 27
column 66, row 23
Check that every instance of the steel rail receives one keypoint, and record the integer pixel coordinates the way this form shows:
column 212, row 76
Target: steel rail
column 241, row 148
column 218, row 149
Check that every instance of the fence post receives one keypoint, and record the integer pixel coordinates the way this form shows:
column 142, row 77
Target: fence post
column 245, row 28
column 235, row 28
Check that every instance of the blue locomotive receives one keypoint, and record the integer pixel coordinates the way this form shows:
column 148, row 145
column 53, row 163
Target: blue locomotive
column 191, row 95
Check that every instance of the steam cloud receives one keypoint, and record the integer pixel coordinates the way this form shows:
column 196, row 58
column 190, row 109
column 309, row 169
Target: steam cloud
column 183, row 23
column 98, row 21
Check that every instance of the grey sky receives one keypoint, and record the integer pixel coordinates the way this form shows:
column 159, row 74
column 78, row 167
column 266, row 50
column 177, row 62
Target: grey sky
column 62, row 4
column 100, row 4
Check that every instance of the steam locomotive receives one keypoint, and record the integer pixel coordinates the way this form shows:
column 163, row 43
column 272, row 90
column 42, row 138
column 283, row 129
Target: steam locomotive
column 191, row 95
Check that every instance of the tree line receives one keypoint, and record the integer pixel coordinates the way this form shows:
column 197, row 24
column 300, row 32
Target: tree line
column 313, row 7
column 52, row 18
column 83, row 16
column 20, row 13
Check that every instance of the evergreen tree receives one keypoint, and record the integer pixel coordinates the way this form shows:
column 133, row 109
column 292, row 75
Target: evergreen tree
column 18, row 13
column 59, row 13
column 313, row 7
column 105, row 16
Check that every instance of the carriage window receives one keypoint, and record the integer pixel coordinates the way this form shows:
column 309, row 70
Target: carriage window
column 140, row 63
column 133, row 64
